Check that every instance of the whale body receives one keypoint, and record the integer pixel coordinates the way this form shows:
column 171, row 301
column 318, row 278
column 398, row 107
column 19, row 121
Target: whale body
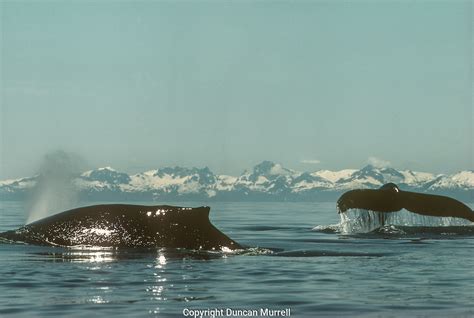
column 123, row 225
column 389, row 198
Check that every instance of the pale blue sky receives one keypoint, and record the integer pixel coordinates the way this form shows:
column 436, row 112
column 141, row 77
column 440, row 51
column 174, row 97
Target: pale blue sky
column 143, row 84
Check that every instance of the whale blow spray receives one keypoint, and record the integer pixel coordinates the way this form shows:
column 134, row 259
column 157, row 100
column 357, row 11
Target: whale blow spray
column 55, row 190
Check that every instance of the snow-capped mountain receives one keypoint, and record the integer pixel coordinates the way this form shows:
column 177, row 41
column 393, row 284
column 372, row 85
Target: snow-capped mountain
column 102, row 179
column 266, row 177
column 462, row 180
column 334, row 176
column 106, row 175
column 370, row 176
column 16, row 188
column 266, row 181
column 174, row 181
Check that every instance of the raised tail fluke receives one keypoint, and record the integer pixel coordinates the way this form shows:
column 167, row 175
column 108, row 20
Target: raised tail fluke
column 389, row 198
column 368, row 199
column 435, row 205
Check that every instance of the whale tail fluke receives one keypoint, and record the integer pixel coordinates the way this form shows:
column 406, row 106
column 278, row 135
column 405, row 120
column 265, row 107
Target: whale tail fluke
column 389, row 198
column 368, row 199
column 435, row 205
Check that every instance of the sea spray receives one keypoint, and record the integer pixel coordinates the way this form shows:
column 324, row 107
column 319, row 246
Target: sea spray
column 361, row 221
column 364, row 221
column 55, row 190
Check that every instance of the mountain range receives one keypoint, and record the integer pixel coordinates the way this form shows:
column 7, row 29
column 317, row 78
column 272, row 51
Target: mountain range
column 267, row 181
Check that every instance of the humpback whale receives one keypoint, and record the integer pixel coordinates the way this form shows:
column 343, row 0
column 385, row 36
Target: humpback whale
column 124, row 225
column 389, row 198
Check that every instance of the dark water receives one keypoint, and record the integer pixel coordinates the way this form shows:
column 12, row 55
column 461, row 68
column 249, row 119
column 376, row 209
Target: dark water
column 399, row 271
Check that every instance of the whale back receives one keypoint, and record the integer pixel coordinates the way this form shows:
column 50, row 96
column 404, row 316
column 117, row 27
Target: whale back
column 123, row 225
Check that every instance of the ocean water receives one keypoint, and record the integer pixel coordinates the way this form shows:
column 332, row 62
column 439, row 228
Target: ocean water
column 301, row 258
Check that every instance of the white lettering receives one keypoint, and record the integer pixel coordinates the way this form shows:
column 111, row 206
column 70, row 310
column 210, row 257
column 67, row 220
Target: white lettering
column 231, row 312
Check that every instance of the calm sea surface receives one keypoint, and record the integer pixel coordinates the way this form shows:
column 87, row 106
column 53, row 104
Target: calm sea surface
column 394, row 272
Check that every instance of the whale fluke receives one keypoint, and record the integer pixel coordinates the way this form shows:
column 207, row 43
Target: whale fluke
column 124, row 225
column 389, row 198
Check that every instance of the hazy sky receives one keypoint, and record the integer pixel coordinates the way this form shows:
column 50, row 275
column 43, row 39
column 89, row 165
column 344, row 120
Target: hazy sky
column 226, row 84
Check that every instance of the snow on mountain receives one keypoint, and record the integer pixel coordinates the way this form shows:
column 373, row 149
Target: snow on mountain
column 374, row 177
column 173, row 180
column 270, row 171
column 107, row 174
column 87, row 174
column 102, row 179
column 334, row 176
column 13, row 182
column 414, row 178
column 461, row 180
column 225, row 182
column 15, row 185
column 266, row 181
column 309, row 181
column 266, row 177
